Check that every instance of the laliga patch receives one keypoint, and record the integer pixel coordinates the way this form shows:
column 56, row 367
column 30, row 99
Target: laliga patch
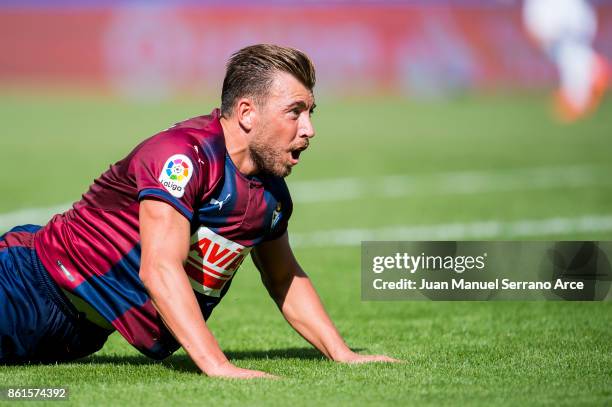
column 176, row 174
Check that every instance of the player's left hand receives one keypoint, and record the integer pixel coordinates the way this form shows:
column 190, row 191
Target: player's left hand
column 357, row 358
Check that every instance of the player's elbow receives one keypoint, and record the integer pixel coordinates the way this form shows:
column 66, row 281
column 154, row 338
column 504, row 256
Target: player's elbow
column 278, row 290
column 280, row 285
column 147, row 274
column 156, row 276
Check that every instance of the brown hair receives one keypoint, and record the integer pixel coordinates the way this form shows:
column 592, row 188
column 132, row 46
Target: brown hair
column 250, row 72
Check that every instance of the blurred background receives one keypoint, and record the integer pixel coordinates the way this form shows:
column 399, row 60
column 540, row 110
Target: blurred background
column 432, row 114
column 164, row 49
column 436, row 120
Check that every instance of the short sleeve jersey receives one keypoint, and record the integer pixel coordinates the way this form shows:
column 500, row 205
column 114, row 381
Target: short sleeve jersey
column 93, row 250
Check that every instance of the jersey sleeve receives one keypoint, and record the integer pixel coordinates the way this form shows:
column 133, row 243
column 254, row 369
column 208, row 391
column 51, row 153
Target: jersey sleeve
column 168, row 168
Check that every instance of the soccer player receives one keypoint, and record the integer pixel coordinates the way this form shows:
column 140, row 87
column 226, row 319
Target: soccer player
column 153, row 246
column 564, row 29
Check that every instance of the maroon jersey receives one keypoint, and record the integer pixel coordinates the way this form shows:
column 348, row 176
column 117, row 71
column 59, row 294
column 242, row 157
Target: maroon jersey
column 93, row 250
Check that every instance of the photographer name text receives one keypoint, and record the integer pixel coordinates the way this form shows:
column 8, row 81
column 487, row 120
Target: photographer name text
column 462, row 284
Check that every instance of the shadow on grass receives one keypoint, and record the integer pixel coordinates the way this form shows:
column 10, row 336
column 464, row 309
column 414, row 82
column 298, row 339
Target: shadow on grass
column 183, row 363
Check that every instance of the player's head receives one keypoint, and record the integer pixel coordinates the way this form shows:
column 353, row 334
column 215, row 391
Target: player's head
column 268, row 90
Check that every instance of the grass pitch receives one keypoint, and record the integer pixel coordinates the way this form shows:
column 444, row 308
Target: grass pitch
column 510, row 353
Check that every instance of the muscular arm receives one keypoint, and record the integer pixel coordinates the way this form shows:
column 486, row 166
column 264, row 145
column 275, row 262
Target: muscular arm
column 164, row 237
column 294, row 294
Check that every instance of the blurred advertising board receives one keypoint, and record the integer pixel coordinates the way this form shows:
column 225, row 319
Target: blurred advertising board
column 163, row 49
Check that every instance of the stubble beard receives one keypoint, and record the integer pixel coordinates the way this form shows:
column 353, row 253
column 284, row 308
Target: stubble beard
column 267, row 160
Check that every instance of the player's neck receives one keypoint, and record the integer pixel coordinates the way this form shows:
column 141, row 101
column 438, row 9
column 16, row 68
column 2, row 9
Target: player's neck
column 237, row 146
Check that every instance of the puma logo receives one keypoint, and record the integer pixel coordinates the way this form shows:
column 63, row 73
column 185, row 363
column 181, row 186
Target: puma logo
column 213, row 201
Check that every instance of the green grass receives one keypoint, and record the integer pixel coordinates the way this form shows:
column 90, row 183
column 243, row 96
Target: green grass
column 504, row 353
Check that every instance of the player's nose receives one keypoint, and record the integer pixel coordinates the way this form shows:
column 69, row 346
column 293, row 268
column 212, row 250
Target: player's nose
column 306, row 128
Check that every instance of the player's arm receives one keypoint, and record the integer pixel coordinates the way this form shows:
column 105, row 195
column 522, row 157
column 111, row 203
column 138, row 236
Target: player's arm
column 294, row 294
column 165, row 236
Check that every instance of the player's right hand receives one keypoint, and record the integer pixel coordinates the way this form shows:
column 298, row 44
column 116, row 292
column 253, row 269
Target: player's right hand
column 230, row 371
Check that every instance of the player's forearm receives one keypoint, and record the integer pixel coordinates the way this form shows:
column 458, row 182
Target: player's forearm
column 173, row 297
column 303, row 309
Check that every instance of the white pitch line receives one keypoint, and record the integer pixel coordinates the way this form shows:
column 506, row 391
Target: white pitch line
column 35, row 216
column 445, row 183
column 449, row 183
column 493, row 229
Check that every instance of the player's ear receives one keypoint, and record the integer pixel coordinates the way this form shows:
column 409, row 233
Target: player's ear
column 245, row 110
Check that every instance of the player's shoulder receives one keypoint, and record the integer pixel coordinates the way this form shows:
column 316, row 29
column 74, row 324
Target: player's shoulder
column 197, row 145
column 198, row 138
column 204, row 132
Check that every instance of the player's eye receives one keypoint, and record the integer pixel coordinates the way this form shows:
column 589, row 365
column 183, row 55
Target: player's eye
column 312, row 110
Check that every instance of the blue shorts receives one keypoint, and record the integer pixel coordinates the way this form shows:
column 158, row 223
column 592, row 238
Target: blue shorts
column 37, row 322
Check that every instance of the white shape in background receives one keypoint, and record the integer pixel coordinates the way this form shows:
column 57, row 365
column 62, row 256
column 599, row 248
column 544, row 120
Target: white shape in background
column 550, row 20
column 565, row 30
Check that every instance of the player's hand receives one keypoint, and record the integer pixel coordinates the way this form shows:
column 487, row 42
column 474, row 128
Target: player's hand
column 355, row 358
column 230, row 371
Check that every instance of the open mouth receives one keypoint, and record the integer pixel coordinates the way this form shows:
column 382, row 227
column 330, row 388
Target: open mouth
column 295, row 154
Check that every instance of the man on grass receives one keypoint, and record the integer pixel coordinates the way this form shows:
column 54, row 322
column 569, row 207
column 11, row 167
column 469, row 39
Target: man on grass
column 153, row 245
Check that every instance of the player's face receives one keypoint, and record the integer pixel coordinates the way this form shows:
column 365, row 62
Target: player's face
column 283, row 129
